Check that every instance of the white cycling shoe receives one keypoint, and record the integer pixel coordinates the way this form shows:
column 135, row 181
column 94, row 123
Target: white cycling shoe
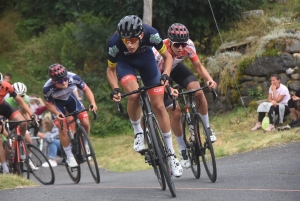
column 184, row 159
column 176, row 168
column 32, row 166
column 139, row 144
column 71, row 161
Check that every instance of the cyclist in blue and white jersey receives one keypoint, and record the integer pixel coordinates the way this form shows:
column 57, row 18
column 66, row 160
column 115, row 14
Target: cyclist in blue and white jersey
column 129, row 49
column 60, row 98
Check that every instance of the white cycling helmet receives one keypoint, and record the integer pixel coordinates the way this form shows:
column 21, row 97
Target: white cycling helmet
column 20, row 88
column 1, row 78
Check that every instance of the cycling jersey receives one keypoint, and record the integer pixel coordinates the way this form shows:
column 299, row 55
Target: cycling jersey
column 142, row 59
column 14, row 104
column 6, row 88
column 64, row 98
column 188, row 51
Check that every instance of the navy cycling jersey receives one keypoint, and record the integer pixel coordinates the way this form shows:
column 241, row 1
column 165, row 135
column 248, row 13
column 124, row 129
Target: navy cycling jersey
column 116, row 47
column 51, row 93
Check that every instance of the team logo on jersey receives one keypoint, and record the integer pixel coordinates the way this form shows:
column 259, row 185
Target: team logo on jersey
column 155, row 38
column 49, row 92
column 113, row 51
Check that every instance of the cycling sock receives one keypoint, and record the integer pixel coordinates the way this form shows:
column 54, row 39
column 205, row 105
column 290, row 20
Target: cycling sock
column 205, row 119
column 168, row 141
column 68, row 150
column 4, row 167
column 181, row 143
column 136, row 126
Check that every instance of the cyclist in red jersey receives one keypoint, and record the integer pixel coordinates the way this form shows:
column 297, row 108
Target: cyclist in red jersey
column 180, row 46
column 129, row 49
column 10, row 113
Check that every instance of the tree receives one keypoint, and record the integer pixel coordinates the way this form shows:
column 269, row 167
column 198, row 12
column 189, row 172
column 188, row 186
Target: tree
column 147, row 17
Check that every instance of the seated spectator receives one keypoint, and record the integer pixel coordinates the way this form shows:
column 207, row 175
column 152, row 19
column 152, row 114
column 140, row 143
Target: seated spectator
column 51, row 137
column 277, row 104
column 35, row 104
column 294, row 107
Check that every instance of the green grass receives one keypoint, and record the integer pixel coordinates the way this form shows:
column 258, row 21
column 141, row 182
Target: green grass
column 14, row 181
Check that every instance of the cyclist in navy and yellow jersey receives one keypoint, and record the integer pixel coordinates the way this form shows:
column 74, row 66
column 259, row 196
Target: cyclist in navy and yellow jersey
column 129, row 49
column 181, row 46
column 60, row 98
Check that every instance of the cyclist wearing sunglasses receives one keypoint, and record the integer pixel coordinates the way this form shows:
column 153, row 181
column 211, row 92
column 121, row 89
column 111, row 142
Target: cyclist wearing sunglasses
column 60, row 98
column 11, row 113
column 129, row 49
column 180, row 46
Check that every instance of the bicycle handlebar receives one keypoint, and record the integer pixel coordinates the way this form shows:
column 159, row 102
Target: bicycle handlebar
column 192, row 91
column 171, row 96
column 142, row 88
column 80, row 111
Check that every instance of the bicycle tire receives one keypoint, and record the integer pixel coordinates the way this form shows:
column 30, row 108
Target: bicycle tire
column 152, row 160
column 194, row 158
column 7, row 154
column 202, row 137
column 161, row 153
column 23, row 165
column 89, row 157
column 75, row 172
column 45, row 175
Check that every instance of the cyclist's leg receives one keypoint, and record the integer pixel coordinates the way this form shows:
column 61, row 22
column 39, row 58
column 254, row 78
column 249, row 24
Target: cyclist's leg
column 127, row 76
column 2, row 157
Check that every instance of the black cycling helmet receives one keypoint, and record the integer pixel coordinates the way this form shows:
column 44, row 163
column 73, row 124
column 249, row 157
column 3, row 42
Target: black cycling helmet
column 178, row 33
column 57, row 72
column 130, row 26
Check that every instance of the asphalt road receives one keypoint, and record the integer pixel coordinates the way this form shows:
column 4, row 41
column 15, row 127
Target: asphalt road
column 267, row 174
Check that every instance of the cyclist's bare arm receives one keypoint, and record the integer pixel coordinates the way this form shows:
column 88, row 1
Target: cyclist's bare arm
column 168, row 62
column 24, row 106
column 113, row 81
column 90, row 96
column 204, row 74
column 53, row 110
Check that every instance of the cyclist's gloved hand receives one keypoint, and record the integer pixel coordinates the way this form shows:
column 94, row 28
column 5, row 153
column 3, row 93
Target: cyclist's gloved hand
column 164, row 78
column 93, row 107
column 114, row 94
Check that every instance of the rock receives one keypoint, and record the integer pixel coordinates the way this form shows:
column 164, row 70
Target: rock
column 265, row 66
column 289, row 71
column 249, row 14
column 295, row 76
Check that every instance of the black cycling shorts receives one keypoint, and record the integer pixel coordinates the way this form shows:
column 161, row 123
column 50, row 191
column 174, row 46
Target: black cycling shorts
column 183, row 76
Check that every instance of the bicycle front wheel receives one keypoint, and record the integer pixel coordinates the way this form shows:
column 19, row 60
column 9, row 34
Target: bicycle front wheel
column 195, row 162
column 74, row 172
column 45, row 175
column 21, row 164
column 151, row 159
column 202, row 138
column 88, row 153
column 161, row 153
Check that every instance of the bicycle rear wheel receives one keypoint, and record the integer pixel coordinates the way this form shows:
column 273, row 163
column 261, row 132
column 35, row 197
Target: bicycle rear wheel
column 194, row 157
column 88, row 153
column 45, row 175
column 202, row 135
column 161, row 153
column 74, row 172
column 151, row 159
column 21, row 164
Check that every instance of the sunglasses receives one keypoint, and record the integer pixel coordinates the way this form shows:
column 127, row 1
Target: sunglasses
column 177, row 45
column 131, row 40
column 61, row 81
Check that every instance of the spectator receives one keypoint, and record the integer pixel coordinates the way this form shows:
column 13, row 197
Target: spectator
column 277, row 104
column 51, row 136
column 294, row 107
column 36, row 104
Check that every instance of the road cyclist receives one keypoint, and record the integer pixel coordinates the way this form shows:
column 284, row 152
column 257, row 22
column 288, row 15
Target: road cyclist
column 60, row 99
column 7, row 111
column 180, row 46
column 129, row 49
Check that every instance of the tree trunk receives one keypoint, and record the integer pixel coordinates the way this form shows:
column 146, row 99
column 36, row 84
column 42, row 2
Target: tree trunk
column 147, row 19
